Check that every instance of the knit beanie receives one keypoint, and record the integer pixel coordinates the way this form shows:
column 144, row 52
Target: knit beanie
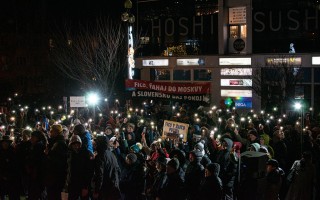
column 132, row 157
column 174, row 163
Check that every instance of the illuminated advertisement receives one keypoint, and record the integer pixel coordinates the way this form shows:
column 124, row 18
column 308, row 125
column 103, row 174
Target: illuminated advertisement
column 316, row 60
column 236, row 82
column 155, row 62
column 237, row 15
column 281, row 61
column 236, row 71
column 188, row 62
column 240, row 102
column 234, row 61
column 236, row 93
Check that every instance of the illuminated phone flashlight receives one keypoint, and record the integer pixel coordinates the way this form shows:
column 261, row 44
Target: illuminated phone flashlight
column 262, row 111
column 21, row 109
column 159, row 140
column 215, row 129
column 115, row 111
column 105, row 99
column 275, row 109
column 49, row 107
column 117, row 100
column 72, row 111
column 141, row 120
column 90, row 120
column 284, row 116
column 3, row 127
column 281, row 127
column 12, row 118
column 130, row 109
column 279, row 120
column 36, row 110
column 144, row 103
column 178, row 114
column 242, row 119
column 232, row 116
column 268, row 121
column 173, row 107
column 211, row 133
column 129, row 116
column 101, row 133
column 100, row 114
column 232, row 125
column 9, row 99
column 251, row 110
column 214, row 107
column 51, row 112
column 198, row 120
column 181, row 136
column 111, row 111
column 12, row 130
column 12, row 137
column 255, row 115
column 196, row 114
column 60, row 107
column 152, row 123
column 69, row 116
column 94, row 133
column 310, row 108
column 218, row 137
column 233, row 108
column 210, row 111
column 15, row 94
column 86, row 124
column 141, row 110
column 13, row 111
column 137, row 109
column 271, row 117
column 297, row 123
column 228, row 110
column 28, row 127
column 116, row 130
column 152, row 126
column 72, row 125
column 248, row 118
column 219, row 119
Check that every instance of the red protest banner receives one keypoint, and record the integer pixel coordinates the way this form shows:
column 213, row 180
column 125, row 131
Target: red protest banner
column 169, row 88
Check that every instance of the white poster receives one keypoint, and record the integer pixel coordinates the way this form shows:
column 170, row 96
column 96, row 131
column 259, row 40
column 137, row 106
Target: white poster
column 236, row 82
column 236, row 71
column 236, row 93
column 77, row 101
column 175, row 130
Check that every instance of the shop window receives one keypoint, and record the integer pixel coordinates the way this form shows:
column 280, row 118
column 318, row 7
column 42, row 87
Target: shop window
column 159, row 74
column 181, row 75
column 202, row 75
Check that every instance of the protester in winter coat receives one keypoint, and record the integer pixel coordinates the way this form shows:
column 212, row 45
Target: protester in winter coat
column 194, row 174
column 280, row 148
column 172, row 187
column 161, row 163
column 34, row 165
column 211, row 186
column 56, row 163
column 132, row 178
column 228, row 168
column 275, row 177
column 80, row 170
column 106, row 171
column 85, row 136
column 304, row 180
column 8, row 169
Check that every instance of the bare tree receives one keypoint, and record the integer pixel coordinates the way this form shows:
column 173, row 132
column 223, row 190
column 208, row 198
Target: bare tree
column 92, row 54
column 277, row 78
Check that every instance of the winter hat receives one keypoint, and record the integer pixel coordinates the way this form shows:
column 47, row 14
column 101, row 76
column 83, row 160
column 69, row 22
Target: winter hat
column 135, row 148
column 273, row 163
column 74, row 139
column 174, row 163
column 110, row 128
column 266, row 138
column 57, row 127
column 214, row 168
column 162, row 160
column 132, row 157
column 79, row 129
column 102, row 140
column 256, row 146
column 253, row 132
column 197, row 129
column 199, row 146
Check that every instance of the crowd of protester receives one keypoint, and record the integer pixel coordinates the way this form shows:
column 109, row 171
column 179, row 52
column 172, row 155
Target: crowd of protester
column 122, row 154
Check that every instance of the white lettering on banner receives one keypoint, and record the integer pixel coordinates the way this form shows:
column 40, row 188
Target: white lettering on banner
column 157, row 87
column 168, row 96
column 189, row 89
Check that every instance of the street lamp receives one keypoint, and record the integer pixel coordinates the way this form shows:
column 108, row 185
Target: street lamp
column 130, row 18
column 92, row 99
column 299, row 106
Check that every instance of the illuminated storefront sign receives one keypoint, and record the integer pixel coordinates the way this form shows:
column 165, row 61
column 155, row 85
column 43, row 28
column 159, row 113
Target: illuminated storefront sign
column 234, row 61
column 155, row 62
column 236, row 71
column 281, row 61
column 237, row 15
column 316, row 60
column 236, row 93
column 236, row 82
column 188, row 62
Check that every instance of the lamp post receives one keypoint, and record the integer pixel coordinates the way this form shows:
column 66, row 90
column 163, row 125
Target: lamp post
column 299, row 106
column 93, row 99
column 130, row 18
